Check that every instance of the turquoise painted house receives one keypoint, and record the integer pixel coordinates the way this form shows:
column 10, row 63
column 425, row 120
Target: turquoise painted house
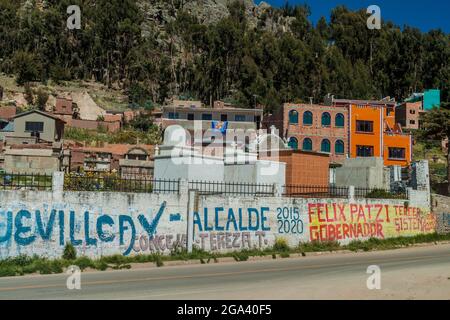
column 431, row 98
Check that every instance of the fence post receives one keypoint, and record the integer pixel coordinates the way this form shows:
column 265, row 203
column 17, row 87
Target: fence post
column 58, row 184
column 351, row 193
column 192, row 206
column 277, row 190
column 183, row 185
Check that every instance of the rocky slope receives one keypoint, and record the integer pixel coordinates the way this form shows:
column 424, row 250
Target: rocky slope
column 158, row 13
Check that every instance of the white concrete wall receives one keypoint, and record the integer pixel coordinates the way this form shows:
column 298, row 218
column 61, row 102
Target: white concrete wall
column 99, row 223
column 106, row 223
column 192, row 169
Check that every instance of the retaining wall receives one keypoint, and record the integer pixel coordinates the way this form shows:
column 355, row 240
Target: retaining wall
column 106, row 223
column 441, row 207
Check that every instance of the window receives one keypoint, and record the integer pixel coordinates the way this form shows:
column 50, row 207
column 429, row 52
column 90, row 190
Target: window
column 174, row 115
column 239, row 118
column 340, row 120
column 412, row 121
column 340, row 147
column 397, row 153
column 293, row 117
column 325, row 146
column 34, row 126
column 307, row 144
column 364, row 126
column 293, row 143
column 364, row 151
column 223, row 117
column 190, row 116
column 308, row 118
column 207, row 116
column 326, row 119
column 141, row 157
column 389, row 111
column 412, row 111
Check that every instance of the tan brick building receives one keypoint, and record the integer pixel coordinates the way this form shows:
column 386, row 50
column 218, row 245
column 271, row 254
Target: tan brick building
column 408, row 114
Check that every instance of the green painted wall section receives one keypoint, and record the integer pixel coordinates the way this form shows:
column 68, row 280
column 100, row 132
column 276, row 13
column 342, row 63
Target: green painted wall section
column 431, row 98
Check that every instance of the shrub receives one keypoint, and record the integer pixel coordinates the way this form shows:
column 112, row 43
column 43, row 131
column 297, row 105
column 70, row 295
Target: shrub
column 41, row 99
column 84, row 263
column 56, row 266
column 70, row 253
column 100, row 265
column 382, row 194
column 8, row 271
column 319, row 246
column 27, row 67
column 159, row 260
column 240, row 256
column 281, row 245
column 44, row 266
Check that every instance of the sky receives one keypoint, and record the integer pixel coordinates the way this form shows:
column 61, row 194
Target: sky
column 423, row 14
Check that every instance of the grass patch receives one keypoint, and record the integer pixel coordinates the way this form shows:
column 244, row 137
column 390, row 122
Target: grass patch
column 281, row 245
column 319, row 246
column 22, row 265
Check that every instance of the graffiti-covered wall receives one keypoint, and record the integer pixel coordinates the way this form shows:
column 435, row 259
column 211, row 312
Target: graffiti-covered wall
column 97, row 223
column 238, row 223
column 105, row 223
column 441, row 207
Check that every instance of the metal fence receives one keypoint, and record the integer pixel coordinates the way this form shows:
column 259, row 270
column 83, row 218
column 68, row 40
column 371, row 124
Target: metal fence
column 17, row 181
column 299, row 191
column 140, row 184
column 232, row 188
column 118, row 184
column 366, row 193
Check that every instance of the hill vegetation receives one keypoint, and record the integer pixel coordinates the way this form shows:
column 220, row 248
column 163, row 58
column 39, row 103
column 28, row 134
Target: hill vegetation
column 250, row 54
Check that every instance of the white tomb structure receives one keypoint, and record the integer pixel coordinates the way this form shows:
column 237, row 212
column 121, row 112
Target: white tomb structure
column 175, row 159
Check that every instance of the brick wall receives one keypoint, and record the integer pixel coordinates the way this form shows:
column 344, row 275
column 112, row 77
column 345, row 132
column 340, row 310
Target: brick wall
column 93, row 125
column 64, row 106
column 304, row 168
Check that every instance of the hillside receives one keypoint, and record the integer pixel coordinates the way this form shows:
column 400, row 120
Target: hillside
column 150, row 50
column 87, row 94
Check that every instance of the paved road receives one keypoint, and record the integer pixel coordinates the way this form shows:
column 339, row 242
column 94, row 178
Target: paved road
column 415, row 273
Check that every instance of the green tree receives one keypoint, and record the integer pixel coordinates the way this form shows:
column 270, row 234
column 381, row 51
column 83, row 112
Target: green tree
column 142, row 122
column 41, row 99
column 29, row 94
column 26, row 67
column 436, row 126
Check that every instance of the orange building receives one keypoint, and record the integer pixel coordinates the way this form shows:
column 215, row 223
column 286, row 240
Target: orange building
column 375, row 133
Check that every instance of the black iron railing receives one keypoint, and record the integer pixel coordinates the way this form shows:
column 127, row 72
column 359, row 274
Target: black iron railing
column 232, row 188
column 96, row 182
column 141, row 184
column 366, row 193
column 17, row 181
column 300, row 191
